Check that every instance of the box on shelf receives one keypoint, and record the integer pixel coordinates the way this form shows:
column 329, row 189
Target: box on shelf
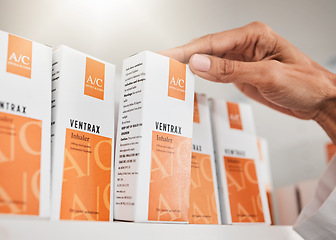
column 288, row 206
column 82, row 136
column 330, row 150
column 25, row 80
column 242, row 193
column 265, row 173
column 204, row 201
column 153, row 151
column 306, row 190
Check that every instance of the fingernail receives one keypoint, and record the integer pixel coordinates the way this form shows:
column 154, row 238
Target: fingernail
column 200, row 63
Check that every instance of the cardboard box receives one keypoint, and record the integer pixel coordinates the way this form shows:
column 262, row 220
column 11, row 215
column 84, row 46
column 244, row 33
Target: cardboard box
column 82, row 136
column 287, row 205
column 25, row 80
column 242, row 193
column 204, row 201
column 306, row 190
column 265, row 173
column 153, row 151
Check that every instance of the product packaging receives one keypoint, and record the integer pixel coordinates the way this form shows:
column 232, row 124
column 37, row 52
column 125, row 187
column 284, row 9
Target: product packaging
column 288, row 205
column 330, row 150
column 306, row 190
column 153, row 151
column 265, row 172
column 82, row 136
column 204, row 201
column 242, row 192
column 25, row 95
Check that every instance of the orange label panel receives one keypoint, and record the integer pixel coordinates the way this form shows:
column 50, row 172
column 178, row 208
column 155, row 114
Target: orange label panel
column 170, row 178
column 19, row 56
column 86, row 177
column 196, row 112
column 202, row 203
column 177, row 80
column 331, row 151
column 270, row 205
column 234, row 116
column 243, row 188
column 20, row 157
column 261, row 156
column 94, row 79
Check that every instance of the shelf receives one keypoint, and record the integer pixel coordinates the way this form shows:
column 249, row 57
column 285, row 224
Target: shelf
column 12, row 229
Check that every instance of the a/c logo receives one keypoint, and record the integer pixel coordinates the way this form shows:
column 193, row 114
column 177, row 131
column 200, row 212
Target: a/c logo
column 95, row 81
column 177, row 82
column 25, row 60
column 19, row 57
column 235, row 117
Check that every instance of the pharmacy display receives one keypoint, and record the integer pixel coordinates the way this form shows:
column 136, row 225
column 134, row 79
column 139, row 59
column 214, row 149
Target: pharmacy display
column 179, row 157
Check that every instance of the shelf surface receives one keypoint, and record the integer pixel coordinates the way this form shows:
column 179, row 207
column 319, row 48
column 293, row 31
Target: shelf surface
column 12, row 228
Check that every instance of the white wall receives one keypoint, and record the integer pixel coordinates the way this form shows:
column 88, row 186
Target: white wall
column 115, row 29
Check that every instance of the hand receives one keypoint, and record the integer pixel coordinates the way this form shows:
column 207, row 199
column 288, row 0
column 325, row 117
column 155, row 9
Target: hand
column 264, row 66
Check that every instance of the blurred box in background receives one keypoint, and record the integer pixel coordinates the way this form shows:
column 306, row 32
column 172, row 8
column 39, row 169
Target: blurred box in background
column 265, row 173
column 331, row 150
column 241, row 189
column 292, row 199
column 204, row 200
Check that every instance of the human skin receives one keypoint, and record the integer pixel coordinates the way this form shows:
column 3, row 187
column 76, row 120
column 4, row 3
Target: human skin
column 268, row 69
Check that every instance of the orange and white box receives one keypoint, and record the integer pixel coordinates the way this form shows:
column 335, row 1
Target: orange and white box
column 265, row 172
column 82, row 136
column 242, row 192
column 204, row 201
column 25, row 115
column 330, row 150
column 153, row 151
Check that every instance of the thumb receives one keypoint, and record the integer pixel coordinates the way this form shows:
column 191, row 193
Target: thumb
column 226, row 71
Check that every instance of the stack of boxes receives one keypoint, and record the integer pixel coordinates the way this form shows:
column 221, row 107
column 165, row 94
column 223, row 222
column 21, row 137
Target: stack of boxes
column 165, row 168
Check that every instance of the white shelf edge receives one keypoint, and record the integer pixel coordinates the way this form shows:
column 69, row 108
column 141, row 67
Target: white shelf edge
column 17, row 229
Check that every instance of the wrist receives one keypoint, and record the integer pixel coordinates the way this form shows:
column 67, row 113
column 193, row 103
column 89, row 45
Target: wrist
column 326, row 116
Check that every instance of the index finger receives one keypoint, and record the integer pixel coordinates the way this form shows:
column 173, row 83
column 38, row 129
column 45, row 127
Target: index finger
column 216, row 44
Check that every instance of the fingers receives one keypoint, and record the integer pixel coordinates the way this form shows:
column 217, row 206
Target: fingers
column 242, row 41
column 255, row 79
column 227, row 71
column 212, row 44
column 176, row 53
